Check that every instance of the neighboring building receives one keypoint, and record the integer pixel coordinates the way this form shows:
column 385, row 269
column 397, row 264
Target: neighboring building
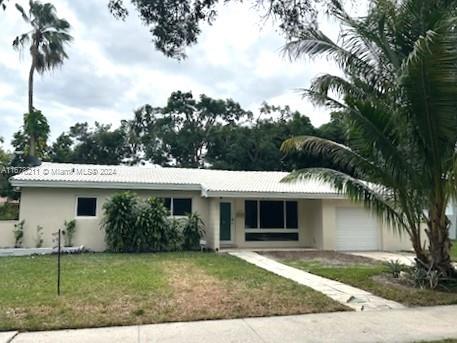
column 240, row 209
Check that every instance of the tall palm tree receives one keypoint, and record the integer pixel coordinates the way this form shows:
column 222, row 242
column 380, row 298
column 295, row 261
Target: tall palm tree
column 398, row 102
column 46, row 41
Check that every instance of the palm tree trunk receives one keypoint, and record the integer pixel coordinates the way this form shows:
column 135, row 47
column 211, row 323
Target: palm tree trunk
column 32, row 142
column 439, row 243
column 416, row 241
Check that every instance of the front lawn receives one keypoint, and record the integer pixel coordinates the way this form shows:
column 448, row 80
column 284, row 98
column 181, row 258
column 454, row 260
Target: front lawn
column 366, row 274
column 122, row 289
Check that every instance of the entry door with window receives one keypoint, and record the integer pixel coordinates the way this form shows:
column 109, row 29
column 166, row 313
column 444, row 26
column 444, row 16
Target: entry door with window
column 225, row 222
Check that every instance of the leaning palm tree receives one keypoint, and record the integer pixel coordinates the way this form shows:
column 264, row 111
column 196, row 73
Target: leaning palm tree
column 46, row 41
column 397, row 99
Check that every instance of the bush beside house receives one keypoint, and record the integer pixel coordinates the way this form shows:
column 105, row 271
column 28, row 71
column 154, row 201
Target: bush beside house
column 135, row 225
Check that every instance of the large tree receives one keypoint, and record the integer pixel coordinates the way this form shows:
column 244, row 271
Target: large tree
column 46, row 42
column 398, row 101
column 178, row 134
column 83, row 144
column 256, row 145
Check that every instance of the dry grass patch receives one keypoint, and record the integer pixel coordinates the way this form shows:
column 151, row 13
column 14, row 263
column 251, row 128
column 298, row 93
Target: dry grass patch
column 108, row 289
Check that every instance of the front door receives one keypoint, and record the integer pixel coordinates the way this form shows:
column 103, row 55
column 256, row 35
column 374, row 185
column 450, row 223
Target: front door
column 225, row 222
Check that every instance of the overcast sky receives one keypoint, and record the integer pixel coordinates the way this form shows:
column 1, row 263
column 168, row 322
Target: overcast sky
column 113, row 68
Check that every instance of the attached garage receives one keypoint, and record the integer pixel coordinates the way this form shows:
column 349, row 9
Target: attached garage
column 356, row 229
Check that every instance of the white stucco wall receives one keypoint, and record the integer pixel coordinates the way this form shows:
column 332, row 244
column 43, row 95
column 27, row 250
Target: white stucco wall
column 51, row 207
column 7, row 239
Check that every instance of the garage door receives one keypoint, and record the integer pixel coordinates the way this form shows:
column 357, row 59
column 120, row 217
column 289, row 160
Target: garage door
column 356, row 229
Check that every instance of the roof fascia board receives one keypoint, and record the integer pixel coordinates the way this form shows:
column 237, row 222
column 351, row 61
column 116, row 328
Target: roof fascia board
column 274, row 195
column 105, row 185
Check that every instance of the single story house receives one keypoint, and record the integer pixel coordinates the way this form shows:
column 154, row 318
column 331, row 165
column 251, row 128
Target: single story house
column 241, row 209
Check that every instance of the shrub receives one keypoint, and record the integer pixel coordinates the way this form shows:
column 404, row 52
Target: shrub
column 152, row 226
column 39, row 236
column 9, row 211
column 175, row 239
column 395, row 268
column 119, row 222
column 69, row 232
column 19, row 234
column 134, row 225
column 192, row 232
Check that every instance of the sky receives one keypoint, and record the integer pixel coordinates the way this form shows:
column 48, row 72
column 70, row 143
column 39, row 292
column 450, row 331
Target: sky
column 113, row 68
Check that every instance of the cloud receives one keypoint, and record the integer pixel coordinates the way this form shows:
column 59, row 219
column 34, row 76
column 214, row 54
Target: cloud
column 113, row 68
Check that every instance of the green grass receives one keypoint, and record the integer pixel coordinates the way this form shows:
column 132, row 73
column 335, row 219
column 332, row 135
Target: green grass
column 123, row 289
column 367, row 277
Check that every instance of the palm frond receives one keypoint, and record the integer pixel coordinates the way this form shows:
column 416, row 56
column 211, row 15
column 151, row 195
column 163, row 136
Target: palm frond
column 373, row 197
column 22, row 12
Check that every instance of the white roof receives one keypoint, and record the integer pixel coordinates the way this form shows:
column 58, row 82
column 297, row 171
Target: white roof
column 209, row 182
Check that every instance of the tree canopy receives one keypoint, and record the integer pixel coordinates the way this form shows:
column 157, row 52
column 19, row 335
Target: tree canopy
column 176, row 24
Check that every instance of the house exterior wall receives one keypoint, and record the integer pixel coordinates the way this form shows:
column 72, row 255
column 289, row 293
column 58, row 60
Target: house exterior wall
column 7, row 239
column 50, row 207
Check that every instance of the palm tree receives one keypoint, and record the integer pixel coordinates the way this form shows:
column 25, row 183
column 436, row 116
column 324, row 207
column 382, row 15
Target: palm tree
column 46, row 41
column 398, row 102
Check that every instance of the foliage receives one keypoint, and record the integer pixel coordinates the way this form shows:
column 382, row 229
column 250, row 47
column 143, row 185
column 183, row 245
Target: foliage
column 47, row 38
column 98, row 145
column 39, row 237
column 193, row 230
column 179, row 132
column 397, row 100
column 188, row 132
column 35, row 129
column 152, row 231
column 19, row 234
column 136, row 225
column 395, row 268
column 256, row 146
column 120, row 222
column 69, row 232
column 9, row 211
column 175, row 24
column 6, row 171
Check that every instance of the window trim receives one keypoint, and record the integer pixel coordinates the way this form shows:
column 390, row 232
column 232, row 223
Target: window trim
column 272, row 230
column 96, row 206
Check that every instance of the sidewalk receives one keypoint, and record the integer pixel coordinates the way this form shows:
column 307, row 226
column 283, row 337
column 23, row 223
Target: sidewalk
column 405, row 325
column 356, row 298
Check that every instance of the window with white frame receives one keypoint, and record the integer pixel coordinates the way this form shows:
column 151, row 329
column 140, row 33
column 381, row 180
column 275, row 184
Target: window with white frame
column 178, row 206
column 86, row 206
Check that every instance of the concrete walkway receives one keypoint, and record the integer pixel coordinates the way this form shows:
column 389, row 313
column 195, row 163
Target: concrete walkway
column 406, row 325
column 353, row 297
column 6, row 337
